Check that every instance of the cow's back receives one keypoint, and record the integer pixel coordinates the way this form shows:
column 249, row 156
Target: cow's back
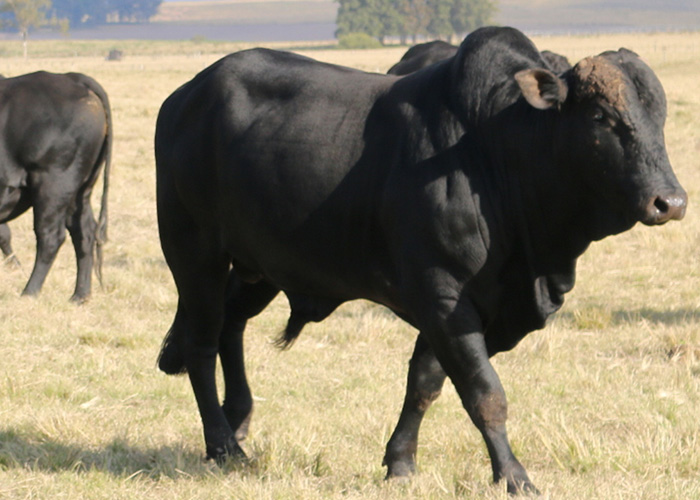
column 44, row 113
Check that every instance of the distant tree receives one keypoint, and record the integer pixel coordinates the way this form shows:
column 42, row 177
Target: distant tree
column 440, row 25
column 82, row 12
column 415, row 17
column 390, row 19
column 467, row 15
column 412, row 18
column 26, row 14
column 90, row 12
column 359, row 16
column 133, row 11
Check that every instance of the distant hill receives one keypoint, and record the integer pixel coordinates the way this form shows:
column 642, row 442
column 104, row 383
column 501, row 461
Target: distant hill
column 544, row 16
column 247, row 11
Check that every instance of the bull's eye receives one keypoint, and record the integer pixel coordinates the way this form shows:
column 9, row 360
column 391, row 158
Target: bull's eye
column 598, row 115
column 10, row 189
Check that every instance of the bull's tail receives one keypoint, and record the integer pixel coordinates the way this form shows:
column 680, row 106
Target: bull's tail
column 171, row 359
column 105, row 157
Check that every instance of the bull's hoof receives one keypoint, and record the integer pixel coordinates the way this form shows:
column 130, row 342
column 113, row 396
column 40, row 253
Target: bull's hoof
column 400, row 469
column 242, row 431
column 523, row 488
column 518, row 482
column 238, row 417
column 79, row 299
column 231, row 451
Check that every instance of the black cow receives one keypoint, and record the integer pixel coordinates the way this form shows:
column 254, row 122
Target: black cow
column 55, row 135
column 557, row 62
column 424, row 54
column 459, row 196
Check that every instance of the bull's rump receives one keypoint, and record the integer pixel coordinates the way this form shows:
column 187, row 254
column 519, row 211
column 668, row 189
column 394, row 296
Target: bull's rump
column 275, row 154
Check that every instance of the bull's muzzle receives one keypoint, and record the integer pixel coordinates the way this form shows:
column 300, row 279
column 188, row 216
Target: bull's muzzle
column 664, row 208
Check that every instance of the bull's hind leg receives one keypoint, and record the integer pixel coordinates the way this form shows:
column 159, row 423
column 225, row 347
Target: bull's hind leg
column 243, row 301
column 81, row 227
column 200, row 269
column 425, row 380
column 201, row 282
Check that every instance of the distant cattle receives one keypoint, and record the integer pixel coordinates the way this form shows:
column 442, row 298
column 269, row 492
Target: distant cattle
column 557, row 62
column 424, row 54
column 55, row 135
column 115, row 55
column 459, row 197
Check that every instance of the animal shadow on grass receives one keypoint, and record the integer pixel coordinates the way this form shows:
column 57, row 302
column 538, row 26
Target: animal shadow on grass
column 605, row 317
column 664, row 317
column 33, row 451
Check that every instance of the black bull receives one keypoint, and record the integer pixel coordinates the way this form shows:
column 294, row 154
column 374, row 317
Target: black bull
column 459, row 196
column 56, row 136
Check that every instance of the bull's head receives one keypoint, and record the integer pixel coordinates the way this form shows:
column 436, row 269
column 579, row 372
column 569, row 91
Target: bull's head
column 612, row 109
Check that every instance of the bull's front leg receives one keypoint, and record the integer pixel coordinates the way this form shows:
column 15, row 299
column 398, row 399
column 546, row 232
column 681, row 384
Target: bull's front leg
column 460, row 346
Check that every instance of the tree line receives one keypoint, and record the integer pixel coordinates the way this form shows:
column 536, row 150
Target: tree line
column 92, row 12
column 410, row 19
column 25, row 14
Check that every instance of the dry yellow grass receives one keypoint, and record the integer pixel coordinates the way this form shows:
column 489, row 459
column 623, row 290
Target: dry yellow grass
column 604, row 401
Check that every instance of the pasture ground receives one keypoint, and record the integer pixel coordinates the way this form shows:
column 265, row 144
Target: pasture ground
column 604, row 402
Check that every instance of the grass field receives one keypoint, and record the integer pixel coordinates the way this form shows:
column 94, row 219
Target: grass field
column 604, row 402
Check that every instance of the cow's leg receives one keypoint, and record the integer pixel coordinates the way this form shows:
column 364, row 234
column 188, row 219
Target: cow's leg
column 81, row 227
column 243, row 301
column 6, row 245
column 50, row 231
column 425, row 380
column 465, row 358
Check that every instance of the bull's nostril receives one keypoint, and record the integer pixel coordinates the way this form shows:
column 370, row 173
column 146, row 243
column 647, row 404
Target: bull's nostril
column 661, row 205
column 665, row 208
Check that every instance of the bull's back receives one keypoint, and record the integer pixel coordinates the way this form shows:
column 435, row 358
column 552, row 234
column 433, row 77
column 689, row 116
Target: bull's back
column 260, row 116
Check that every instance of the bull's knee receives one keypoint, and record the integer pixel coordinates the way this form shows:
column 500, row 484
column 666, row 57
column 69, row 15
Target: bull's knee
column 491, row 410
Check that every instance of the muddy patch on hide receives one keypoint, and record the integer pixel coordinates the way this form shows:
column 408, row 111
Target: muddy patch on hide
column 598, row 76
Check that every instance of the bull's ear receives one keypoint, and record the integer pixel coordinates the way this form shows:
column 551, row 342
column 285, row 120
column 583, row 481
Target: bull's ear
column 542, row 88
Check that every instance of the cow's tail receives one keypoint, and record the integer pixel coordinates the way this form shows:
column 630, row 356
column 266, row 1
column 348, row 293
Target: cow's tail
column 101, row 231
column 105, row 158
